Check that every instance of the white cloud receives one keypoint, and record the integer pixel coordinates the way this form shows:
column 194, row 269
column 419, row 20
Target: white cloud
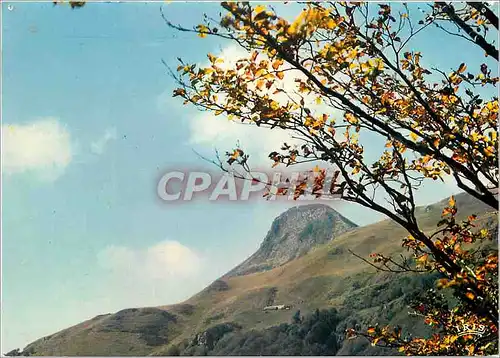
column 43, row 146
column 99, row 145
column 166, row 260
column 221, row 133
column 165, row 272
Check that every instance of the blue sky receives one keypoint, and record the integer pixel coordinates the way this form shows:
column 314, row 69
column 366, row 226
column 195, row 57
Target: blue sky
column 92, row 124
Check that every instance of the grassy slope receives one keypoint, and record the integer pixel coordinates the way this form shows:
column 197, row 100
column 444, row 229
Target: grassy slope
column 322, row 278
column 327, row 276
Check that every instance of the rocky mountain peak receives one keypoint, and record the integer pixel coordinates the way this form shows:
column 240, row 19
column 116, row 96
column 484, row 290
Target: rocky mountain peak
column 293, row 234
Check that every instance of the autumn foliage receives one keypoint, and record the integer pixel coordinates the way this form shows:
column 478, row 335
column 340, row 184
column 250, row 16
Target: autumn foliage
column 341, row 71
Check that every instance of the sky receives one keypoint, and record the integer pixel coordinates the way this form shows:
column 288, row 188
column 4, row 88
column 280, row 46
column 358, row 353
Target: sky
column 88, row 128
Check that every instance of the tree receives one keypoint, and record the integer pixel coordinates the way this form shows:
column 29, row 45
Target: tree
column 14, row 353
column 297, row 318
column 72, row 4
column 473, row 18
column 353, row 73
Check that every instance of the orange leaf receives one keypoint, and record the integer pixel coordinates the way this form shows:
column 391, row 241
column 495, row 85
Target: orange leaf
column 277, row 64
column 423, row 258
column 442, row 282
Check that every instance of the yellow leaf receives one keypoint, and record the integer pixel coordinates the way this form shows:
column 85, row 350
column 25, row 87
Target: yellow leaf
column 260, row 72
column 356, row 170
column 413, row 136
column 280, row 75
column 275, row 105
column 318, row 100
column 350, row 118
column 491, row 105
column 474, row 137
column 352, row 54
column 452, row 202
column 202, row 30
column 470, row 349
column 330, row 24
column 370, row 330
column 259, row 9
column 489, row 151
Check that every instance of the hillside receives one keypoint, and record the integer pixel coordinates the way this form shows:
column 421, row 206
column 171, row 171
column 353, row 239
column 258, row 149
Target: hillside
column 227, row 318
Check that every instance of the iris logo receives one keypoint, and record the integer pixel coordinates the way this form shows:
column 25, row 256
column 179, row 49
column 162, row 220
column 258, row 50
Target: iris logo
column 475, row 330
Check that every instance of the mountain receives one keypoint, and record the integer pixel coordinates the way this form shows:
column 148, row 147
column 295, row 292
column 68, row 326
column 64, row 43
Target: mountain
column 327, row 288
column 293, row 234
